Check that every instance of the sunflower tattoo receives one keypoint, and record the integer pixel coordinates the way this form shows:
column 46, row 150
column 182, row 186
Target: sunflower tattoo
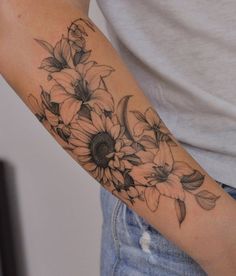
column 135, row 161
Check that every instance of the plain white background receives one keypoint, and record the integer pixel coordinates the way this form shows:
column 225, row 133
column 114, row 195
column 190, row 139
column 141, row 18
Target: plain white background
column 59, row 202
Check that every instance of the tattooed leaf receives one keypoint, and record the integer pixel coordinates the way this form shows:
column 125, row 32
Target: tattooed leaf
column 193, row 181
column 152, row 197
column 50, row 64
column 46, row 99
column 128, row 180
column 139, row 115
column 180, row 209
column 77, row 57
column 47, row 46
column 122, row 113
column 206, row 199
column 54, row 107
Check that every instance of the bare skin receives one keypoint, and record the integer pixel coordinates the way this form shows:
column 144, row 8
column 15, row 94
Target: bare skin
column 72, row 79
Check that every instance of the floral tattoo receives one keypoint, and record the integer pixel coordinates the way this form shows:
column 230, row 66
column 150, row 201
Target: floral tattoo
column 137, row 161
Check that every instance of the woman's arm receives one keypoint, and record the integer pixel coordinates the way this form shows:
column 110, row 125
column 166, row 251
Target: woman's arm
column 69, row 75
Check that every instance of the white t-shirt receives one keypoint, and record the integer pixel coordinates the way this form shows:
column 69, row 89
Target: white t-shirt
column 183, row 55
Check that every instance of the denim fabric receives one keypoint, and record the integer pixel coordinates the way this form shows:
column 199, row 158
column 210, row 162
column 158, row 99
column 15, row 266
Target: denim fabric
column 131, row 247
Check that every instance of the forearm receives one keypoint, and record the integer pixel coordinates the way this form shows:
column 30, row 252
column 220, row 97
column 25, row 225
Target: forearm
column 87, row 99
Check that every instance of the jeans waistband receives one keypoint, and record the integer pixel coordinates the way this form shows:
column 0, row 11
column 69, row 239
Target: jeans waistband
column 228, row 189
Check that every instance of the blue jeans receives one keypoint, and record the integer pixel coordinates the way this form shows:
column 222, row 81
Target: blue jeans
column 131, row 247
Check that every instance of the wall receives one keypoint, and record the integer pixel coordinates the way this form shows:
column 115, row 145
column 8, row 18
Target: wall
column 59, row 202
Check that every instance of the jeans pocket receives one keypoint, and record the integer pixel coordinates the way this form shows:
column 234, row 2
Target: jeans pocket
column 231, row 191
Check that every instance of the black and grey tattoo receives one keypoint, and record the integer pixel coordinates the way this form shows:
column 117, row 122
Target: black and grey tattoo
column 135, row 161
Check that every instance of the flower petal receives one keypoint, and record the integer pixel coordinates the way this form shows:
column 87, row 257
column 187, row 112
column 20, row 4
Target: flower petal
column 81, row 151
column 118, row 145
column 164, row 156
column 181, row 168
column 118, row 176
column 100, row 173
column 108, row 123
column 90, row 166
column 66, row 78
column 52, row 118
column 103, row 99
column 97, row 122
column 79, row 134
column 152, row 197
column 58, row 94
column 114, row 119
column 108, row 174
column 172, row 187
column 34, row 105
column 111, row 164
column 50, row 64
column 82, row 68
column 68, row 109
column 142, row 172
column 62, row 51
column 148, row 142
column 87, row 127
column 116, row 162
column 77, row 142
column 84, row 158
column 122, row 166
column 128, row 150
column 152, row 117
column 115, row 131
column 145, row 156
column 95, row 74
column 96, row 172
column 139, row 128
column 127, row 164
